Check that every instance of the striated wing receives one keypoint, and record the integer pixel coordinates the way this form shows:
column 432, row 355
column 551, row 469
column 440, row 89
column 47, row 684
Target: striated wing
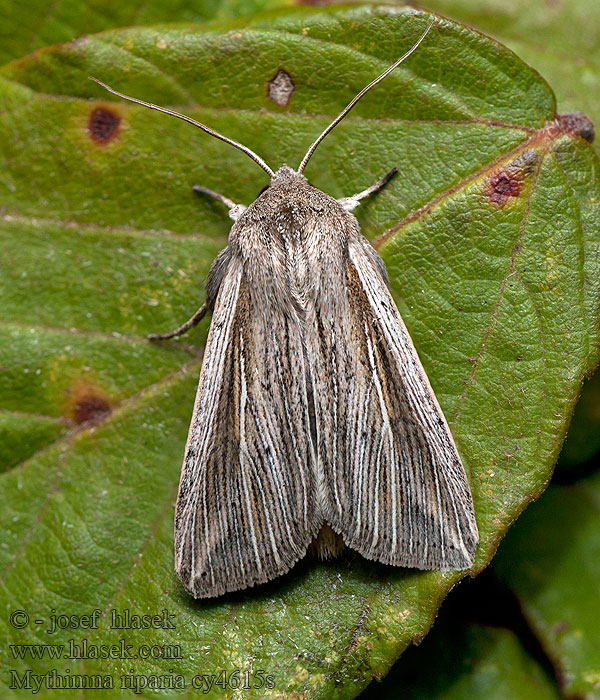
column 394, row 485
column 247, row 507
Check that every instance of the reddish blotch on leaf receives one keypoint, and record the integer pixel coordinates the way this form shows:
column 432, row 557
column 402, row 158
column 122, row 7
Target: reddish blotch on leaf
column 103, row 125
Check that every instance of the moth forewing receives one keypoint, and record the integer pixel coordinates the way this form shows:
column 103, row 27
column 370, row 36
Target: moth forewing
column 247, row 506
column 192, row 556
column 393, row 485
column 431, row 522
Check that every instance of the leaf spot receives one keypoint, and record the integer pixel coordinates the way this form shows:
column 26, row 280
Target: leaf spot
column 103, row 125
column 507, row 182
column 503, row 186
column 281, row 88
column 86, row 402
column 89, row 408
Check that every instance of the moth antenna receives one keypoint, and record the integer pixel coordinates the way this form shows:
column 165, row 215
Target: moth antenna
column 257, row 159
column 345, row 111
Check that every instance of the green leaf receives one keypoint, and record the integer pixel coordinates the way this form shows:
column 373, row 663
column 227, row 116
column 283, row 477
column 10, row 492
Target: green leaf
column 551, row 560
column 491, row 238
column 558, row 39
column 31, row 25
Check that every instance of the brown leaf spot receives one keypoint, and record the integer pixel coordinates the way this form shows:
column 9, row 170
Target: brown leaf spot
column 577, row 124
column 86, row 402
column 103, row 125
column 89, row 408
column 507, row 182
column 281, row 88
column 503, row 186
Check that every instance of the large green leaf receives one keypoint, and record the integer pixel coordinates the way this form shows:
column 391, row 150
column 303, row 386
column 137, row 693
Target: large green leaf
column 490, row 235
column 552, row 561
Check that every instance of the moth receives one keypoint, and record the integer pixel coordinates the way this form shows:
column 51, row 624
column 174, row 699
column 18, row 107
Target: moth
column 313, row 412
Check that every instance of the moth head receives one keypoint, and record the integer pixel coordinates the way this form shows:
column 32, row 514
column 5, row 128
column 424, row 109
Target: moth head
column 284, row 172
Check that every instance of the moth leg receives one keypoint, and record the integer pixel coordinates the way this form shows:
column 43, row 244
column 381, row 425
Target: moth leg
column 235, row 210
column 194, row 321
column 350, row 203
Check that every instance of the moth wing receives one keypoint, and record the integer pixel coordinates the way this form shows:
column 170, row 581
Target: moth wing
column 246, row 506
column 397, row 491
